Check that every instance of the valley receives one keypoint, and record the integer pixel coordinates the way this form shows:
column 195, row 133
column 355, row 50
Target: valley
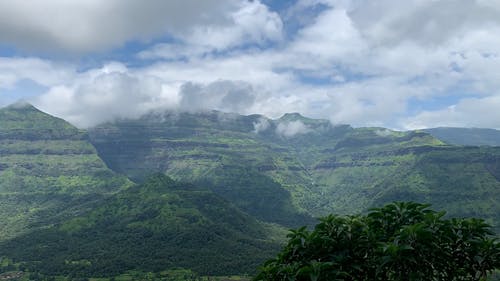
column 210, row 192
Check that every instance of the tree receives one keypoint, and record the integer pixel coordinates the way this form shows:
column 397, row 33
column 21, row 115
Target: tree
column 400, row 241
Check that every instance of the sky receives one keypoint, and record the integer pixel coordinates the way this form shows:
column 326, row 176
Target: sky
column 397, row 64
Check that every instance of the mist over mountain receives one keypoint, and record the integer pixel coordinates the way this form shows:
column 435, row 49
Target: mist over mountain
column 178, row 140
column 169, row 189
column 316, row 167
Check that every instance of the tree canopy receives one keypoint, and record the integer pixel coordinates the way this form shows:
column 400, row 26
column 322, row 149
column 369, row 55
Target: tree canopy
column 400, row 241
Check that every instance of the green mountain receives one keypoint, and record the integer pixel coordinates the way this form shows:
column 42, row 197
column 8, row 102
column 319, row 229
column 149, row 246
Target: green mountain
column 466, row 136
column 48, row 170
column 64, row 212
column 279, row 170
column 161, row 224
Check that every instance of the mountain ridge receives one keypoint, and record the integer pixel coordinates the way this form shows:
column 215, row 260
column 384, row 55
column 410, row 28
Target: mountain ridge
column 324, row 169
column 59, row 183
column 296, row 116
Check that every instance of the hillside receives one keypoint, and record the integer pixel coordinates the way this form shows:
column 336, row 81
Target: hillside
column 466, row 136
column 161, row 224
column 274, row 169
column 462, row 181
column 48, row 170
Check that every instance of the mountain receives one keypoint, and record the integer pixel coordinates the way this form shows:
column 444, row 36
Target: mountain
column 48, row 170
column 67, row 207
column 159, row 225
column 285, row 169
column 466, row 136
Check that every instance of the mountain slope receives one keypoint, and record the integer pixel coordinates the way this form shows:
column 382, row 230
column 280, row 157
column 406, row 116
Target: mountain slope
column 47, row 166
column 462, row 181
column 161, row 224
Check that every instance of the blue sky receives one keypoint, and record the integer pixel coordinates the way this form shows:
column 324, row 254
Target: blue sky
column 398, row 64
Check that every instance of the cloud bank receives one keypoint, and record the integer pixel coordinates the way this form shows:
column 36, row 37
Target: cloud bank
column 386, row 63
column 82, row 26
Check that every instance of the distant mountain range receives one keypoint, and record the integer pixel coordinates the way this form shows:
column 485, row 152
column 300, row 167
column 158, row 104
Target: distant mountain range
column 466, row 136
column 78, row 202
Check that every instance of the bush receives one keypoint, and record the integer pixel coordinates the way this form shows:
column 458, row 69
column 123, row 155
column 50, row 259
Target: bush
column 400, row 241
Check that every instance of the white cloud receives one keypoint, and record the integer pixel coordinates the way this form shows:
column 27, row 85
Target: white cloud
column 290, row 129
column 406, row 52
column 80, row 26
column 251, row 23
column 428, row 22
column 114, row 92
column 346, row 63
column 332, row 37
column 261, row 125
column 228, row 96
column 110, row 93
column 383, row 132
column 473, row 112
column 43, row 72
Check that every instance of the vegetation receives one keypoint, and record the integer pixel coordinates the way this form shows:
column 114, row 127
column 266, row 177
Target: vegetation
column 400, row 241
column 161, row 224
column 12, row 273
column 68, row 210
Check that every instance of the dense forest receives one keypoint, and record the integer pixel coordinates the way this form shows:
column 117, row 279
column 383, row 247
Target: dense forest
column 191, row 196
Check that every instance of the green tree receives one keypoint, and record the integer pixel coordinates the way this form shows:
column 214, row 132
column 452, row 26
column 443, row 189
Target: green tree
column 400, row 241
